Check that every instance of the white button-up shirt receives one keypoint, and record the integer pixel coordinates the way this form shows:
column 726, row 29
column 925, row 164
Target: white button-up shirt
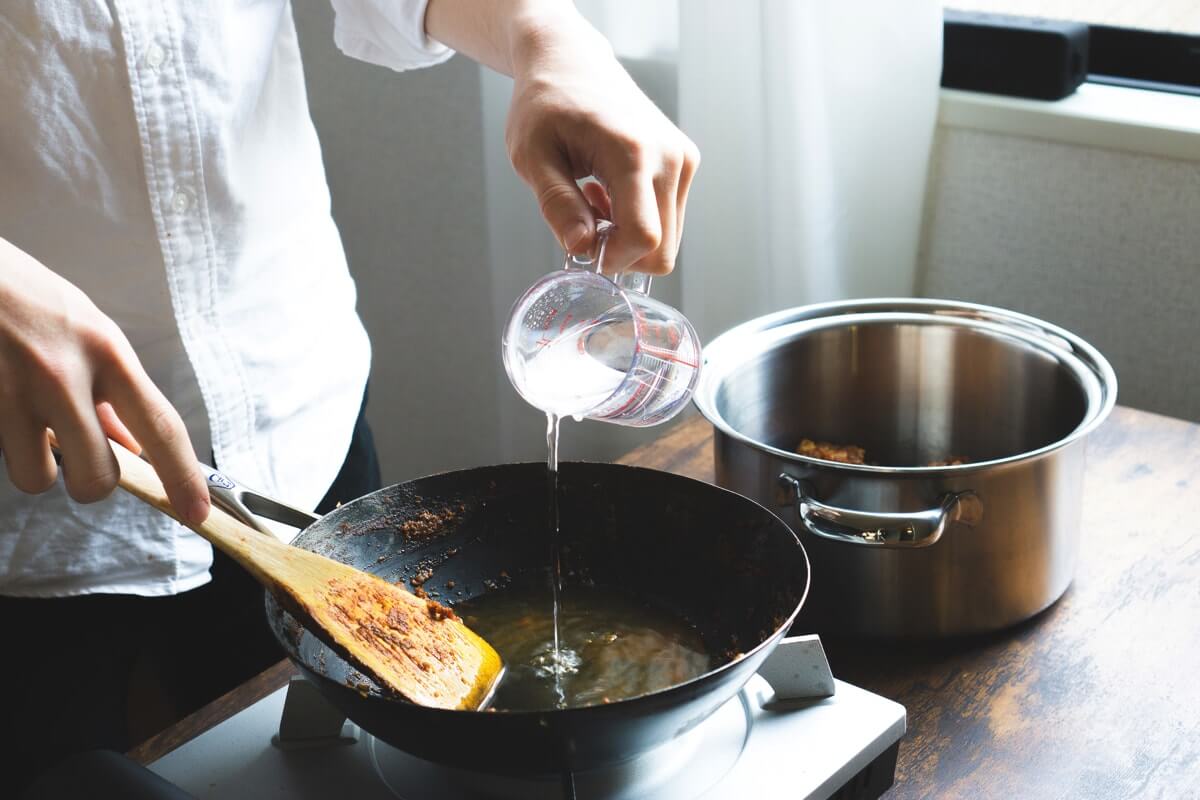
column 161, row 157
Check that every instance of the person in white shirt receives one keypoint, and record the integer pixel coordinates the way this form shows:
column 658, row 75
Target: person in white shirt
column 165, row 237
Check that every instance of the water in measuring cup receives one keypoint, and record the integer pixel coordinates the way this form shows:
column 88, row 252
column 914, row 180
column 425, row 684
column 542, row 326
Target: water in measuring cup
column 596, row 370
column 565, row 379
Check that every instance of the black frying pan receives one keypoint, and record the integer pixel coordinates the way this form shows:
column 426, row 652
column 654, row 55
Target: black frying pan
column 722, row 561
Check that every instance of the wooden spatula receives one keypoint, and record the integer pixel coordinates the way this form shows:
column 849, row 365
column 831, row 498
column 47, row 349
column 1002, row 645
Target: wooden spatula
column 416, row 648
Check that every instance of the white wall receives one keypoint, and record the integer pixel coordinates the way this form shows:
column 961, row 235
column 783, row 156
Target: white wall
column 1103, row 242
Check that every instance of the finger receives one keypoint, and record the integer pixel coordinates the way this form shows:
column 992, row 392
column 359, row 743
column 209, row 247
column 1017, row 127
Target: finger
column 597, row 197
column 691, row 162
column 115, row 429
column 661, row 260
column 27, row 456
column 638, row 224
column 562, row 204
column 157, row 426
column 89, row 467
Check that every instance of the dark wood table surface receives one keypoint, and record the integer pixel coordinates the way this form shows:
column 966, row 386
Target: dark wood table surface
column 1098, row 697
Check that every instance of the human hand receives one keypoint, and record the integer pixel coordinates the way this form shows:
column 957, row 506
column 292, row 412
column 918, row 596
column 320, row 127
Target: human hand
column 66, row 366
column 575, row 112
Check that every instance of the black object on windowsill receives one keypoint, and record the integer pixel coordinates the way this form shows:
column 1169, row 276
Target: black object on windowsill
column 1017, row 56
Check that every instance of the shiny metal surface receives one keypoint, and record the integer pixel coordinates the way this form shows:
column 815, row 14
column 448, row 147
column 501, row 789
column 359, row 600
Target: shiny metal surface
column 915, row 529
column 913, row 382
column 250, row 506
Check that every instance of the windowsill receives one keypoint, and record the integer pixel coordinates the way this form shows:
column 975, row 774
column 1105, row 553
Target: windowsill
column 1097, row 115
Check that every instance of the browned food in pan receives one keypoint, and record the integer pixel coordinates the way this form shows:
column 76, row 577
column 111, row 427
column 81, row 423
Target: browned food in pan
column 845, row 453
column 853, row 454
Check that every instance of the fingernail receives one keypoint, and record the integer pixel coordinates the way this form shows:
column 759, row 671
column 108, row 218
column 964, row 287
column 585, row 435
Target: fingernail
column 575, row 236
column 198, row 511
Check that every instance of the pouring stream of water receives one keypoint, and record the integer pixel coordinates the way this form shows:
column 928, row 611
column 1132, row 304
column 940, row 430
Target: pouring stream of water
column 558, row 662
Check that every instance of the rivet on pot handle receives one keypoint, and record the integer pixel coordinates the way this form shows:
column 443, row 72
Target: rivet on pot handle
column 914, row 529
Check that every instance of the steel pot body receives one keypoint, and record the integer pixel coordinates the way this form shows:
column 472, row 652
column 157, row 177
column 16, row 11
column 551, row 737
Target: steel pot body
column 901, row 548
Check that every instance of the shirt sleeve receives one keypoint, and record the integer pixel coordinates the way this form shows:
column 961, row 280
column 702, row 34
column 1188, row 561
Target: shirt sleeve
column 390, row 33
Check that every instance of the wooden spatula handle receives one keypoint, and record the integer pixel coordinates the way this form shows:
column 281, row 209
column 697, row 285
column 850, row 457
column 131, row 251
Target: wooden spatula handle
column 139, row 478
column 244, row 544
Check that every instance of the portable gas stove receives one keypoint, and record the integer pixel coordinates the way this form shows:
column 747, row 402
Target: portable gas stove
column 793, row 731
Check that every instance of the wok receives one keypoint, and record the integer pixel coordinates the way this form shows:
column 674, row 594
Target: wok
column 718, row 559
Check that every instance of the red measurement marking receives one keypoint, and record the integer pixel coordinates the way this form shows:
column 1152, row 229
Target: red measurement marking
column 550, row 318
column 566, row 319
column 667, row 355
column 638, row 394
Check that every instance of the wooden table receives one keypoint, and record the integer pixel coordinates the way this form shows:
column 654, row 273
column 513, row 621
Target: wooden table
column 1098, row 697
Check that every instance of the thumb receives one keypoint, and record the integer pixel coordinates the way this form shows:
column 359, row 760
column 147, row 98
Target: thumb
column 563, row 205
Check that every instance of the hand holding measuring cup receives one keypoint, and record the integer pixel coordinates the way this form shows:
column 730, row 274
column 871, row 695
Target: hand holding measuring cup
column 580, row 344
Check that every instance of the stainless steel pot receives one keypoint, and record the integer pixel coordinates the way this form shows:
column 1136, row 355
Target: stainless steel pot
column 898, row 548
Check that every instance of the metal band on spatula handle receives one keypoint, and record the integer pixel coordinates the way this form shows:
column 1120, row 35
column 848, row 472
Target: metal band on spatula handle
column 249, row 506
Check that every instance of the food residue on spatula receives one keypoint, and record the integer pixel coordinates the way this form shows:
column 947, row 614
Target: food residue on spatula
column 392, row 631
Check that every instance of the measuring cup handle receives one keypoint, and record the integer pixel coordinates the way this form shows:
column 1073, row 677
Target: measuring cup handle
column 629, row 281
column 632, row 281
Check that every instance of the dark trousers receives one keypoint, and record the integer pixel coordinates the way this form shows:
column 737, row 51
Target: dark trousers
column 69, row 667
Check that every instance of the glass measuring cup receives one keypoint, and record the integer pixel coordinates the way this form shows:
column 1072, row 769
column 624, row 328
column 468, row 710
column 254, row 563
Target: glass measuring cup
column 580, row 344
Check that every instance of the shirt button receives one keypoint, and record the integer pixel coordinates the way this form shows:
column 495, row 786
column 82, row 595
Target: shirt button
column 155, row 56
column 181, row 201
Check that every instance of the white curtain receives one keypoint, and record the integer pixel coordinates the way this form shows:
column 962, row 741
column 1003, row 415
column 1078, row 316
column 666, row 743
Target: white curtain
column 814, row 120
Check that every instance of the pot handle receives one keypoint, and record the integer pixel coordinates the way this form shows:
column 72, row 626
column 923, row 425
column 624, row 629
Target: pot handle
column 248, row 506
column 873, row 529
